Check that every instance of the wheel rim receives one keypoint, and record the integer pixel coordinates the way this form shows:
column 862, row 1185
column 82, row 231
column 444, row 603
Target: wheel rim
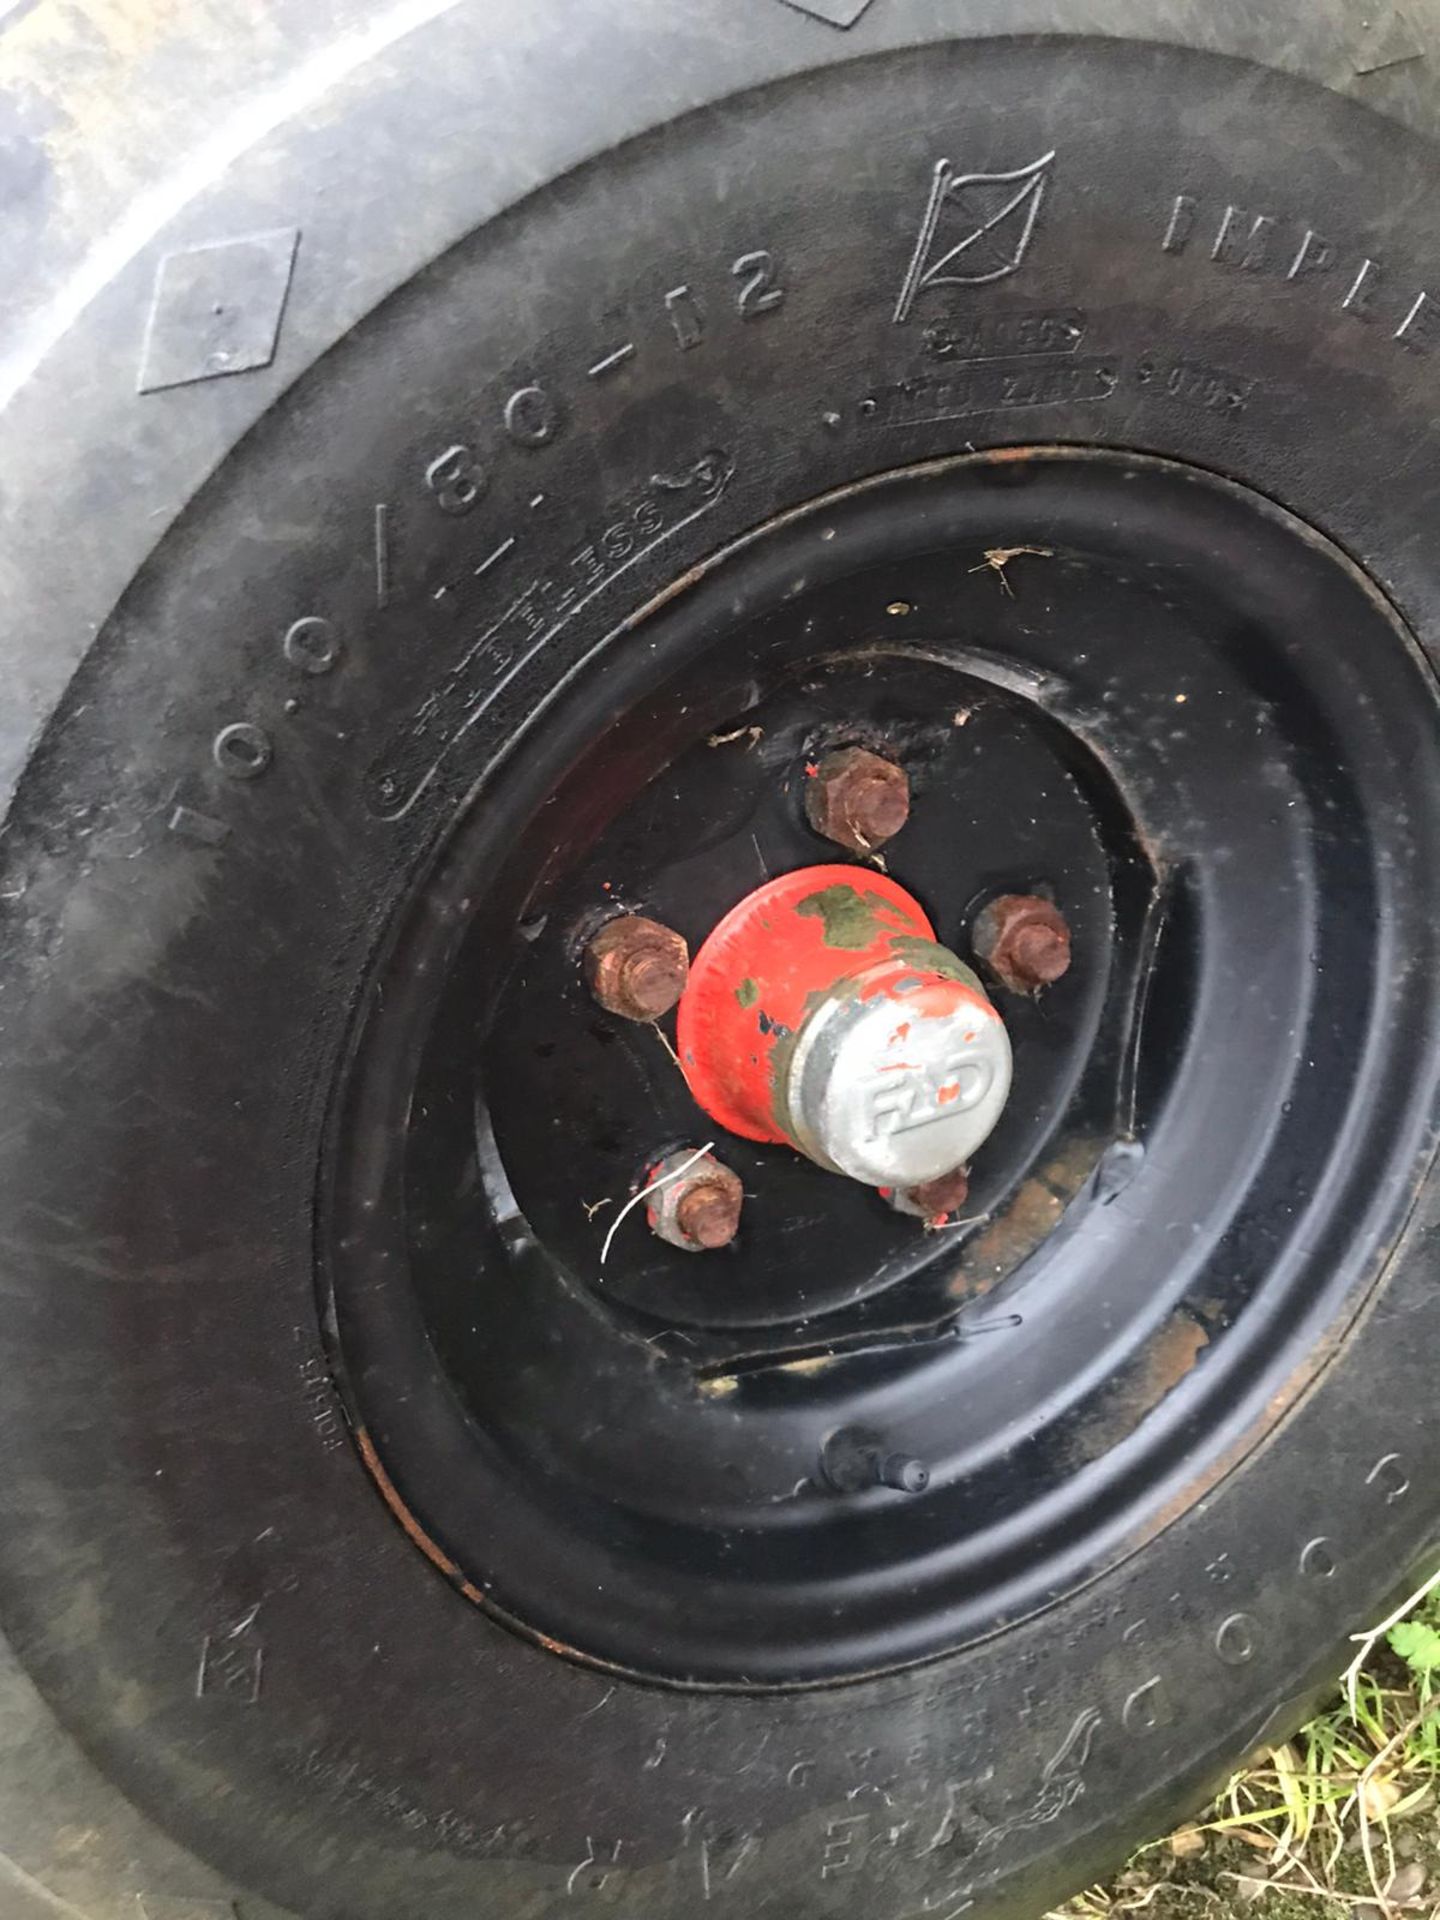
column 1153, row 693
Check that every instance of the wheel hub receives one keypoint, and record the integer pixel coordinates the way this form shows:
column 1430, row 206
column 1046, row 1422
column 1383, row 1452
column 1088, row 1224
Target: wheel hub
column 823, row 1012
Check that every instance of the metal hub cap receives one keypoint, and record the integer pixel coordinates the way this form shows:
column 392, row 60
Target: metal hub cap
column 897, row 1077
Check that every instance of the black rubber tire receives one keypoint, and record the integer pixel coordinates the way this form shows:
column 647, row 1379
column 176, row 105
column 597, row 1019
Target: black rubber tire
column 231, row 1685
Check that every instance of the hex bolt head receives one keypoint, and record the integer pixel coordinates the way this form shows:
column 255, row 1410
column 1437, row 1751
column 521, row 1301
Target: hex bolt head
column 857, row 799
column 935, row 1201
column 1023, row 941
column 637, row 968
column 701, row 1210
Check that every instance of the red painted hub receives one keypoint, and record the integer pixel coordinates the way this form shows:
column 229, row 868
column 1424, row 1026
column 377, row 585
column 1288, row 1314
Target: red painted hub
column 772, row 959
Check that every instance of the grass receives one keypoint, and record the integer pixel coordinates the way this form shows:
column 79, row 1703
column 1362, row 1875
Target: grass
column 1344, row 1819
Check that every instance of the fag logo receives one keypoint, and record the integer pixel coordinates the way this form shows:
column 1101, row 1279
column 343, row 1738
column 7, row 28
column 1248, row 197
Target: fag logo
column 976, row 228
column 903, row 1101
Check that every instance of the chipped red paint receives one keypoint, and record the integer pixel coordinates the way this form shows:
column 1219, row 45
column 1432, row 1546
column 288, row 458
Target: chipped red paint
column 795, row 939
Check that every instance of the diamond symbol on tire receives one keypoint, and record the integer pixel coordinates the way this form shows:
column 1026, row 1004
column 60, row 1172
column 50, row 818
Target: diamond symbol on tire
column 216, row 309
column 838, row 13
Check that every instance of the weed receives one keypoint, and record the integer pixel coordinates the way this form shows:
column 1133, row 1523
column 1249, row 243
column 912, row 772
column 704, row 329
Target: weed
column 1342, row 1817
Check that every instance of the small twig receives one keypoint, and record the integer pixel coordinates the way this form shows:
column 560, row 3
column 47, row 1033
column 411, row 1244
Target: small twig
column 998, row 558
column 1367, row 1641
column 1138, row 1906
column 663, row 1181
column 663, row 1038
column 1357, row 1797
column 944, row 1224
column 1291, row 1886
column 1316, row 1886
column 592, row 1207
column 1416, row 1720
column 1367, row 1847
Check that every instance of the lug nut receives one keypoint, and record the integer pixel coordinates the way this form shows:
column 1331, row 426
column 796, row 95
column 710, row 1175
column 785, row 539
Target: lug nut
column 935, row 1201
column 636, row 968
column 701, row 1210
column 857, row 799
column 1023, row 940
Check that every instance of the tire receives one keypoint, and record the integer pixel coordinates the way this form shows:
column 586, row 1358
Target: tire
column 332, row 345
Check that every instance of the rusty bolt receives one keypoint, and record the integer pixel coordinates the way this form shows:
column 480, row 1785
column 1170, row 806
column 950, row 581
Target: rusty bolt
column 938, row 1199
column 935, row 1201
column 1023, row 940
column 857, row 799
column 636, row 968
column 700, row 1210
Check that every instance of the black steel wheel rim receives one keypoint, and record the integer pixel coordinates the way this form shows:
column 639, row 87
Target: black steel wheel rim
column 1142, row 688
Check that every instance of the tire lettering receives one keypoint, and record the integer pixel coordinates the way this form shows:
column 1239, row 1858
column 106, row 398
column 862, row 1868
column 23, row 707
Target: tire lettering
column 456, row 479
column 759, row 293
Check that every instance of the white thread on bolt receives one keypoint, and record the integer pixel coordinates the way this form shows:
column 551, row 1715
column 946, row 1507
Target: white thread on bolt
column 663, row 1181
